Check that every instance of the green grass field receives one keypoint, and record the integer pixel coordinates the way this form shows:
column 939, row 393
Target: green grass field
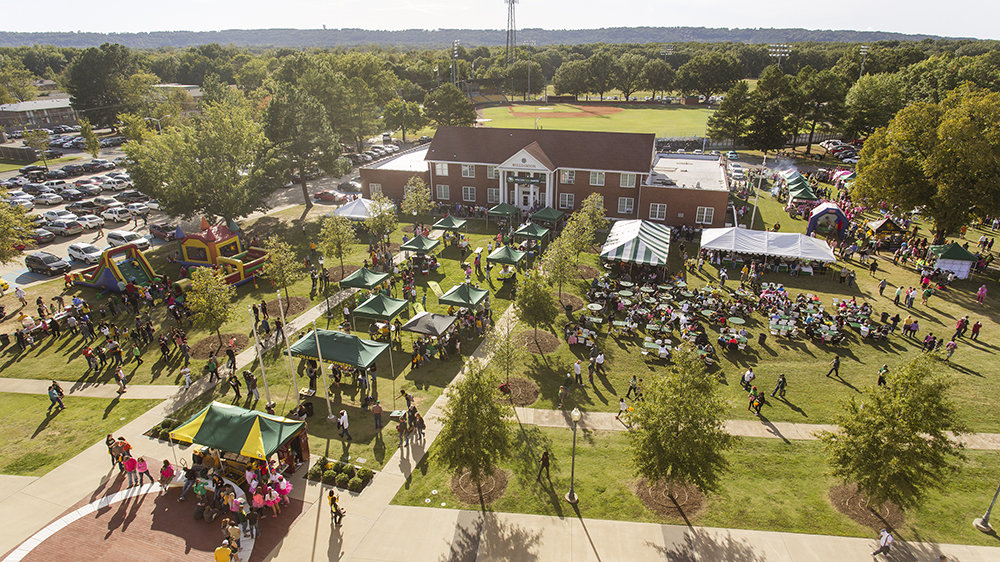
column 663, row 121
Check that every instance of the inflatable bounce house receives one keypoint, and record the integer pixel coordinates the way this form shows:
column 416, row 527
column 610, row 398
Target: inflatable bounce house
column 829, row 220
column 118, row 267
column 218, row 246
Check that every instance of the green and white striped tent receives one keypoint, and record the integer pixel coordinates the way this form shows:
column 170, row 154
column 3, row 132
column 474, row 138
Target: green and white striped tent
column 636, row 241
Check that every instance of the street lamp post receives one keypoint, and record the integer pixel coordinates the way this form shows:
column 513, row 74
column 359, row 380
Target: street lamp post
column 260, row 357
column 158, row 128
column 571, row 496
column 288, row 348
column 983, row 523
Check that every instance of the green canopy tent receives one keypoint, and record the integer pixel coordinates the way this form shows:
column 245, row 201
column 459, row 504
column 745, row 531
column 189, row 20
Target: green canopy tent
column 955, row 258
column 503, row 210
column 548, row 214
column 381, row 307
column 420, row 244
column 345, row 349
column 637, row 242
column 364, row 278
column 506, row 255
column 249, row 433
column 464, row 295
column 531, row 231
column 449, row 223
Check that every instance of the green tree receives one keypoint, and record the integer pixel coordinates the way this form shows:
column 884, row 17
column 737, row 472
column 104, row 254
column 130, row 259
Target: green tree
column 301, row 138
column 583, row 225
column 534, row 303
column 210, row 300
column 134, row 128
column 416, row 198
column 216, row 168
column 944, row 158
column 770, row 103
column 899, row 441
column 600, row 72
column 336, row 238
column 658, row 76
column 93, row 145
column 381, row 220
column 678, row 440
column 572, row 78
column 558, row 264
column 628, row 74
column 39, row 140
column 282, row 266
column 872, row 102
column 447, row 106
column 475, row 434
column 708, row 74
column 16, row 82
column 14, row 229
column 399, row 114
column 505, row 352
column 520, row 72
column 822, row 99
column 732, row 120
column 97, row 80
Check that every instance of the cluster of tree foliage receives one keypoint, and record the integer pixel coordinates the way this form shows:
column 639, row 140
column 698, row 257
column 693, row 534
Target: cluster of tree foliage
column 441, row 38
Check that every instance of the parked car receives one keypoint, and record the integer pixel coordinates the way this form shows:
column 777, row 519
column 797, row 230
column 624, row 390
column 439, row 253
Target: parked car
column 55, row 174
column 137, row 209
column 117, row 214
column 71, row 194
column 64, row 228
column 349, row 186
column 44, row 262
column 25, row 170
column 59, row 215
column 153, row 204
column 122, row 237
column 40, row 236
column 26, row 204
column 132, row 196
column 115, row 185
column 122, row 161
column 87, row 253
column 731, row 155
column 90, row 222
column 105, row 203
column 851, row 160
column 162, row 230
column 85, row 181
column 330, row 195
column 424, row 140
column 90, row 189
column 72, row 169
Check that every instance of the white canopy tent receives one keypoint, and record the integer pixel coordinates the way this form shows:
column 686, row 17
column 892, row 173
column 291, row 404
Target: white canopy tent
column 781, row 244
column 357, row 210
column 639, row 242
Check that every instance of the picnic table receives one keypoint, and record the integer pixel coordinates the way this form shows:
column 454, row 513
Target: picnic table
column 681, row 284
column 647, row 290
column 649, row 300
column 736, row 320
column 594, row 319
column 707, row 313
column 663, row 287
column 595, row 307
column 625, row 293
column 687, row 294
column 626, row 284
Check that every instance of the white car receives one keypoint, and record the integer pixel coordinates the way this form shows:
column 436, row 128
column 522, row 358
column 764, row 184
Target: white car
column 87, row 253
column 122, row 237
column 153, row 204
column 90, row 222
column 850, row 160
column 137, row 209
column 49, row 199
column 26, row 204
column 59, row 215
column 117, row 214
column 114, row 184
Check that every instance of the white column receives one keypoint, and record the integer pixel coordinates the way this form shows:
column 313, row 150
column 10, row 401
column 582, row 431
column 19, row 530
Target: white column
column 549, row 188
column 503, row 186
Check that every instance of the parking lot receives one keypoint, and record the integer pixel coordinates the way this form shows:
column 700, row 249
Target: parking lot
column 16, row 274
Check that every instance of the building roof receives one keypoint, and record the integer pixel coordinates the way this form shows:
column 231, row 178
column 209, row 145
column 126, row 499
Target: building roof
column 36, row 105
column 626, row 152
column 687, row 171
column 409, row 161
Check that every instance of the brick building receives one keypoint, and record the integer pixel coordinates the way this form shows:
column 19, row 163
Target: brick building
column 37, row 114
column 559, row 169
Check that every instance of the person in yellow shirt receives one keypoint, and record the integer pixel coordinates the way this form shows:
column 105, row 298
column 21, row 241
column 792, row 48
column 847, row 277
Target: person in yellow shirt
column 223, row 553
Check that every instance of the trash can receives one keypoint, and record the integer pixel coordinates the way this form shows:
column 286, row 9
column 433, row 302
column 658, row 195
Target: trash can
column 885, row 317
column 309, row 409
column 4, row 340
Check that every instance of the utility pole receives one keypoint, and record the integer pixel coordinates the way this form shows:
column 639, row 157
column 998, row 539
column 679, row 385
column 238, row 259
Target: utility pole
column 454, row 62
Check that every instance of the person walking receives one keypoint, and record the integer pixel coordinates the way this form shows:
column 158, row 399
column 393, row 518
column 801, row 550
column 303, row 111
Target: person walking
column 377, row 413
column 234, row 382
column 251, row 380
column 881, row 285
column 599, row 362
column 899, row 294
column 748, row 378
column 834, row 366
column 780, row 386
column 335, row 509
column 578, row 372
column 186, row 373
column 975, row 330
column 622, row 408
column 120, row 378
column 981, row 294
column 881, row 375
column 633, row 386
column 137, row 354
column 213, row 369
column 344, row 424
column 231, row 359
column 55, row 397
column 885, row 542
column 543, row 465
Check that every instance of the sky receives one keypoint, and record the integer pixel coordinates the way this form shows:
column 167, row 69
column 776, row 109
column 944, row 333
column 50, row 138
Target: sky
column 955, row 18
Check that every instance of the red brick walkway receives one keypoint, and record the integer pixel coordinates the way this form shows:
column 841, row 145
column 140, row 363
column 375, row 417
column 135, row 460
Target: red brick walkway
column 152, row 527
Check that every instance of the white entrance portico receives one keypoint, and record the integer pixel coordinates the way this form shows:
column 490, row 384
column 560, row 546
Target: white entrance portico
column 527, row 178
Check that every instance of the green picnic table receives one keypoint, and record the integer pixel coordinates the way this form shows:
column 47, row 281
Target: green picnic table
column 736, row 320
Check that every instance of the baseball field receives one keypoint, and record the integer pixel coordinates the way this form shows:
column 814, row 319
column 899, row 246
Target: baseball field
column 664, row 121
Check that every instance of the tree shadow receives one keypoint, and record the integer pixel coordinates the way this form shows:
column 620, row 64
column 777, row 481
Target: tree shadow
column 487, row 535
column 699, row 545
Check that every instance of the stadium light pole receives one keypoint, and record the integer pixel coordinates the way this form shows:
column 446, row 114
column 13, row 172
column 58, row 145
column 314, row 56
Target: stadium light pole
column 864, row 57
column 779, row 51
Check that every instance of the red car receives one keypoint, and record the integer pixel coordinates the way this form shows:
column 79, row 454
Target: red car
column 330, row 195
column 163, row 231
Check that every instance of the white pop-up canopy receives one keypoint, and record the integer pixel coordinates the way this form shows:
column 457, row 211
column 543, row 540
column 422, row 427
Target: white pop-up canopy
column 781, row 244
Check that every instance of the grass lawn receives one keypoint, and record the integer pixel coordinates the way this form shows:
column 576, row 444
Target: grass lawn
column 664, row 121
column 34, row 442
column 772, row 486
column 8, row 165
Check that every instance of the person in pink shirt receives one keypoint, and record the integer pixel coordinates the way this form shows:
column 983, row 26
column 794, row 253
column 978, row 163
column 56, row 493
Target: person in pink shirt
column 143, row 470
column 130, row 470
